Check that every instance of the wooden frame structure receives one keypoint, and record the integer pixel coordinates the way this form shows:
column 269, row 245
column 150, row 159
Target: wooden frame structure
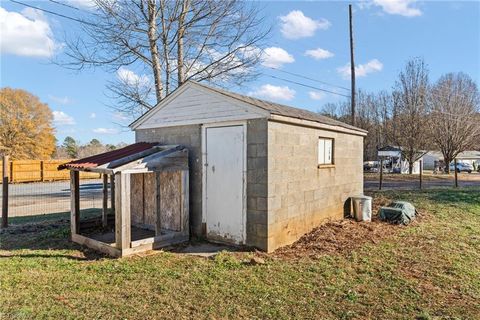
column 168, row 167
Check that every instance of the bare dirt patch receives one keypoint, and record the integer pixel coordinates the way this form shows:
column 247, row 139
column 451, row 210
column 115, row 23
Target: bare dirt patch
column 343, row 236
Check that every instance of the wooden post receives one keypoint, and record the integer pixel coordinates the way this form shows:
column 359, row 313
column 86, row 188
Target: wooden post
column 74, row 202
column 42, row 171
column 352, row 64
column 12, row 176
column 105, row 201
column 5, row 192
column 456, row 173
column 185, row 202
column 112, row 192
column 421, row 172
column 381, row 175
column 158, row 207
column 122, row 211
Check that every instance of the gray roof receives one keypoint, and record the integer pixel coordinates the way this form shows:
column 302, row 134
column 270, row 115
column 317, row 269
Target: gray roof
column 283, row 110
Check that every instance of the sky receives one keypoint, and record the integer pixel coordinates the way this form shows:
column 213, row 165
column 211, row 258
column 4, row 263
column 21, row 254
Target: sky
column 308, row 38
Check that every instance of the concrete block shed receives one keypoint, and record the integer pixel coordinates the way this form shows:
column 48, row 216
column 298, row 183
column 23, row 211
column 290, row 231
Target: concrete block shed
column 261, row 174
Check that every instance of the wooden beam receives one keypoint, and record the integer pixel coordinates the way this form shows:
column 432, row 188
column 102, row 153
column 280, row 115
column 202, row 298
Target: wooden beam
column 105, row 201
column 74, row 202
column 97, row 245
column 5, row 192
column 158, row 207
column 112, row 192
column 185, row 212
column 178, row 238
column 122, row 211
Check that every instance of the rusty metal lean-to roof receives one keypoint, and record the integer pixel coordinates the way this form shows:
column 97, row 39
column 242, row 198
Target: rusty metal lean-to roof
column 137, row 156
column 107, row 157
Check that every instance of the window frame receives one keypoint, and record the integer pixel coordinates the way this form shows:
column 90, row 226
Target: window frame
column 332, row 163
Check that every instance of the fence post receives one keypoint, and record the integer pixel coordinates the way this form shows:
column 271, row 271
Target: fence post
column 5, row 192
column 42, row 171
column 11, row 171
column 381, row 175
column 456, row 175
column 421, row 173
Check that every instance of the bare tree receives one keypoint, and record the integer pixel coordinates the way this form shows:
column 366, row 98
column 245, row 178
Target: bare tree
column 168, row 40
column 372, row 115
column 454, row 121
column 409, row 128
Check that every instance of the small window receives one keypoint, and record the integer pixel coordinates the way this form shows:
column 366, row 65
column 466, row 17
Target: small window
column 325, row 151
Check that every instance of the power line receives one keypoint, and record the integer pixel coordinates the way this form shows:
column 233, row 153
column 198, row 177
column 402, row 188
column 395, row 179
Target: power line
column 311, row 79
column 307, row 86
column 65, row 5
column 52, row 12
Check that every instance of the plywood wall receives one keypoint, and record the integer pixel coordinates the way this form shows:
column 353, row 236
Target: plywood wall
column 143, row 200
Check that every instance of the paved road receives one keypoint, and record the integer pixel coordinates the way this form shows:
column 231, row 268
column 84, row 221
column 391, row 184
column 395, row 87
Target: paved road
column 51, row 197
column 464, row 180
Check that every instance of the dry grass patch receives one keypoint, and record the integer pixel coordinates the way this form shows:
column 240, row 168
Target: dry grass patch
column 427, row 270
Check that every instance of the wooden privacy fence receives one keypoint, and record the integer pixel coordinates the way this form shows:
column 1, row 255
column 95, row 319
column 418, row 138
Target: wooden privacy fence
column 41, row 170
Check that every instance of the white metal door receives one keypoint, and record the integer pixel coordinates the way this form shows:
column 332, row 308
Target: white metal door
column 224, row 183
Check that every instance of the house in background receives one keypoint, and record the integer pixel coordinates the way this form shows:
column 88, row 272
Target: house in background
column 471, row 157
column 395, row 160
column 261, row 174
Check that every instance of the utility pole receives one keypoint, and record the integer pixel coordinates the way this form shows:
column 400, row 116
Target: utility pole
column 352, row 64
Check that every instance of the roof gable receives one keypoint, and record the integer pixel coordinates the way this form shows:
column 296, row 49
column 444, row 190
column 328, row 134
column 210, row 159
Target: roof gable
column 194, row 104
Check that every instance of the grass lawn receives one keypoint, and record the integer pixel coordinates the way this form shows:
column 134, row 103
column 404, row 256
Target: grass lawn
column 428, row 270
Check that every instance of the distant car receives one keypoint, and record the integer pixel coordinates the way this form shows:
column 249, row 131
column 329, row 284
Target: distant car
column 462, row 167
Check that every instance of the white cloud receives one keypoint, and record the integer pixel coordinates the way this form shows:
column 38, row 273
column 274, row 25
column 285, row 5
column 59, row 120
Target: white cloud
column 398, row 7
column 274, row 57
column 60, row 100
column 361, row 70
column 131, row 78
column 93, row 115
column 83, row 4
column 26, row 34
column 315, row 95
column 296, row 25
column 319, row 54
column 272, row 92
column 120, row 116
column 105, row 131
column 60, row 118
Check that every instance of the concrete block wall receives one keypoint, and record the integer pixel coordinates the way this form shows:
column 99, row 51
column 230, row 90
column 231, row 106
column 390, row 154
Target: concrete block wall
column 189, row 136
column 300, row 195
column 257, row 148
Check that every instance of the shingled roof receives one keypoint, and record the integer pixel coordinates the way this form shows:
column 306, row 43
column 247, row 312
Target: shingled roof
column 282, row 110
column 271, row 107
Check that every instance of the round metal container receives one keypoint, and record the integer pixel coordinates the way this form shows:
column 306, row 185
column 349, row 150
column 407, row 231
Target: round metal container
column 362, row 208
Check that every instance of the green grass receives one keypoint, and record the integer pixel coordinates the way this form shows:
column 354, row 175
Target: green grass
column 428, row 270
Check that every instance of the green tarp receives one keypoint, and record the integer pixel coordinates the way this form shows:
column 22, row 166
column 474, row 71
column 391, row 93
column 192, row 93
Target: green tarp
column 399, row 212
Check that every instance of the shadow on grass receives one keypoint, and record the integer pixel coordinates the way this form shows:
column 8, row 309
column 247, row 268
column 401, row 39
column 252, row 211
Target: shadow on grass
column 49, row 233
column 85, row 213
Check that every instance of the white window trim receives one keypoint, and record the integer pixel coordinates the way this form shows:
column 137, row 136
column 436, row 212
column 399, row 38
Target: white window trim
column 323, row 164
